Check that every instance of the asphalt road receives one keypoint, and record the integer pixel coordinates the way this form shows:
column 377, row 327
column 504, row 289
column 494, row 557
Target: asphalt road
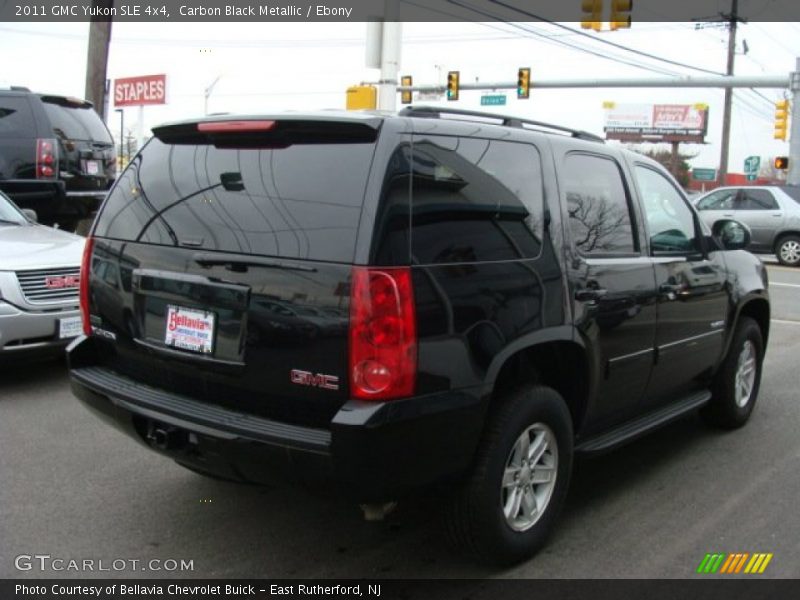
column 73, row 488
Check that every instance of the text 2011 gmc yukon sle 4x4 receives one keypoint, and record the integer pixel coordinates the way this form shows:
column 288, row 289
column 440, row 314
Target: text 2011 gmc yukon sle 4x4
column 390, row 302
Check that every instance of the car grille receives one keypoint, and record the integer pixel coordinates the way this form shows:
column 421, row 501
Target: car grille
column 49, row 285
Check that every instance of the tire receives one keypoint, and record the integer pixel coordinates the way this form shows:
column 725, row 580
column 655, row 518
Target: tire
column 736, row 385
column 477, row 520
column 787, row 250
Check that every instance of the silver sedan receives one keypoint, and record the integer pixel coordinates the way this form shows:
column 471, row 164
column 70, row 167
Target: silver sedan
column 771, row 212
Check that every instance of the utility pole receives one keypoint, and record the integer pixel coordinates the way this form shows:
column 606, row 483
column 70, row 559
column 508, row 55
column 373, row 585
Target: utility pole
column 733, row 20
column 793, row 176
column 97, row 57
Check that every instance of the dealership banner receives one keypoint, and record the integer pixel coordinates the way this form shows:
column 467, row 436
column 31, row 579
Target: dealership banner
column 656, row 122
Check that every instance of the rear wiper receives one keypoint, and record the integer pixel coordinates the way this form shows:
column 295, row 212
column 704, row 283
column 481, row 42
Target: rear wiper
column 10, row 222
column 236, row 262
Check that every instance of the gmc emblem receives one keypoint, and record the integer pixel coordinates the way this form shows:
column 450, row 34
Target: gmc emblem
column 55, row 282
column 320, row 380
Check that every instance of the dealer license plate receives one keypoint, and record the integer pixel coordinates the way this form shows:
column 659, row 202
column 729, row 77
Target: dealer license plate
column 189, row 329
column 69, row 328
column 92, row 167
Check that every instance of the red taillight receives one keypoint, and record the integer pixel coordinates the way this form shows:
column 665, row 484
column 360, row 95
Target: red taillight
column 45, row 158
column 84, row 285
column 383, row 333
column 234, row 126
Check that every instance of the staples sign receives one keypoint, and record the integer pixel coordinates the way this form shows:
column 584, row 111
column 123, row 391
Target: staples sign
column 138, row 91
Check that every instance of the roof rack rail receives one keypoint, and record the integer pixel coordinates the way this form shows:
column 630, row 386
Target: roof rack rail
column 507, row 120
column 14, row 88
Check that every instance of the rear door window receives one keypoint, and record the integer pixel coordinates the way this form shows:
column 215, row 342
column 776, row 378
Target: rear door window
column 598, row 206
column 301, row 201
column 16, row 118
column 76, row 123
column 757, row 200
column 475, row 200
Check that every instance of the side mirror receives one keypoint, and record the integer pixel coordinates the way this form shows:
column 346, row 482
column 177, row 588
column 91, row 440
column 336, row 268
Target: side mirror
column 731, row 235
column 31, row 214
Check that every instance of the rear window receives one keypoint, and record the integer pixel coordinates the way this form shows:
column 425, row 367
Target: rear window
column 16, row 118
column 301, row 201
column 76, row 123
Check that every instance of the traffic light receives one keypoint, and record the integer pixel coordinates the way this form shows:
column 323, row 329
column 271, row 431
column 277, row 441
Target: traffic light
column 592, row 14
column 781, row 163
column 452, row 85
column 524, row 83
column 620, row 14
column 405, row 95
column 781, row 118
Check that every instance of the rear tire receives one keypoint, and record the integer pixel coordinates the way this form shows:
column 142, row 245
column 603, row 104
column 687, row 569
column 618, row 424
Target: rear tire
column 507, row 508
column 787, row 250
column 735, row 388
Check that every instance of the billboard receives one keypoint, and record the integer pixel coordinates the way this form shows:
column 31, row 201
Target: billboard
column 139, row 91
column 656, row 122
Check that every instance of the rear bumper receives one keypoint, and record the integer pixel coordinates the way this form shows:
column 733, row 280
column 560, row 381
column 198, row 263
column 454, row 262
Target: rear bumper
column 52, row 198
column 24, row 333
column 371, row 452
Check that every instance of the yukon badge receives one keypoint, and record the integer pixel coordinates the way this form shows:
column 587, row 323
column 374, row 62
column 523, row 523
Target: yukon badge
column 320, row 380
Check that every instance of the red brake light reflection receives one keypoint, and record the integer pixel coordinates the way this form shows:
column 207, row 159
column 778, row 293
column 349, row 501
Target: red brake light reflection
column 234, row 126
column 84, row 285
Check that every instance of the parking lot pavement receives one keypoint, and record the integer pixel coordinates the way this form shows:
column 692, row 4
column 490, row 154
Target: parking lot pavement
column 74, row 488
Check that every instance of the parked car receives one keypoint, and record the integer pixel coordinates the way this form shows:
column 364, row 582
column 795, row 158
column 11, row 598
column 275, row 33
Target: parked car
column 517, row 293
column 771, row 212
column 39, row 276
column 56, row 155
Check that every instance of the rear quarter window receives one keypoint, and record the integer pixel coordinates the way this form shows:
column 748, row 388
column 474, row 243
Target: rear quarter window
column 76, row 123
column 16, row 118
column 475, row 200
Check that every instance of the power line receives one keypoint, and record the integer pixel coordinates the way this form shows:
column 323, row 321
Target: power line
column 553, row 40
column 607, row 42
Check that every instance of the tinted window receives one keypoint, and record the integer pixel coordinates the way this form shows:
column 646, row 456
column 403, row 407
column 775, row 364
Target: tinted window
column 757, row 200
column 16, row 119
column 475, row 200
column 598, row 206
column 302, row 201
column 669, row 220
column 75, row 123
column 720, row 200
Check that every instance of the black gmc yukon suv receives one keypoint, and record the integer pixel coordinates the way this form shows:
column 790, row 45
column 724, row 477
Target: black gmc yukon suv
column 56, row 155
column 390, row 302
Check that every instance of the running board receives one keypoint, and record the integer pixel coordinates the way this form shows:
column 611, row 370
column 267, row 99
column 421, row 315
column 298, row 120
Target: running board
column 630, row 430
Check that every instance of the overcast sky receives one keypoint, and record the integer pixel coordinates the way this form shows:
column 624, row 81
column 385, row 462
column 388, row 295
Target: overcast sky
column 291, row 66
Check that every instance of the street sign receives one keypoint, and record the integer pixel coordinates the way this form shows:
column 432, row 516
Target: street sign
column 751, row 166
column 704, row 174
column 138, row 91
column 493, row 100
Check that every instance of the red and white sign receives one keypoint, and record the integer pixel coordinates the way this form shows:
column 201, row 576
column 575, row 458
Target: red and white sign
column 656, row 122
column 138, row 91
